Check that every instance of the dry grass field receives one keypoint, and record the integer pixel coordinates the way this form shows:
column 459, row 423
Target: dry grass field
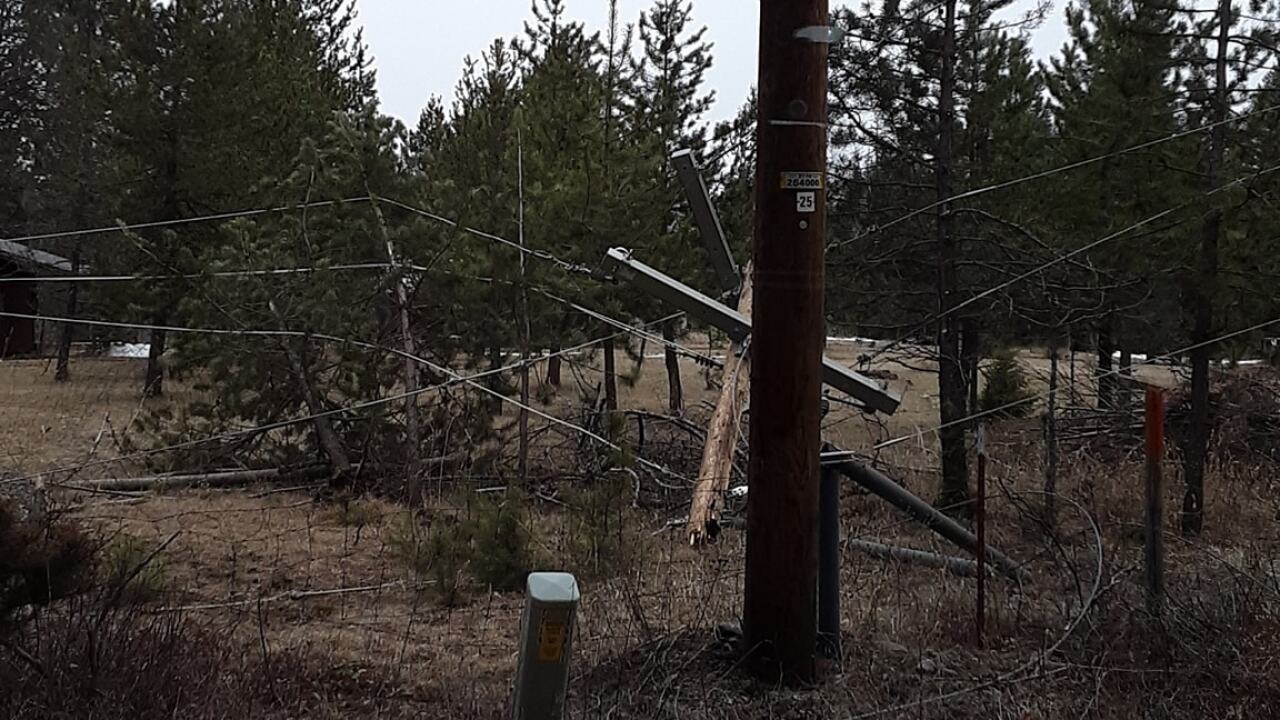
column 318, row 597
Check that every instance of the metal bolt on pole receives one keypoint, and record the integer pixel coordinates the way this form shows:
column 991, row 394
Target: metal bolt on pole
column 546, row 639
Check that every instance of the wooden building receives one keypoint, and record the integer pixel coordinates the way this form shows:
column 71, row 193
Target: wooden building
column 22, row 293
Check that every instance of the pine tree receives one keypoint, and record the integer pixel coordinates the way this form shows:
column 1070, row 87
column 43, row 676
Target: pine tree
column 670, row 74
column 1223, row 52
column 21, row 83
column 1114, row 88
column 924, row 101
column 214, row 96
column 71, row 155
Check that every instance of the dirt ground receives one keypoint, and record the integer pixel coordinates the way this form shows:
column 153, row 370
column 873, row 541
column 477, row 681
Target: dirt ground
column 290, row 573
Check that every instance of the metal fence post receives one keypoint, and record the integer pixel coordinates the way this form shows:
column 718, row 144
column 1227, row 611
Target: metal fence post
column 546, row 642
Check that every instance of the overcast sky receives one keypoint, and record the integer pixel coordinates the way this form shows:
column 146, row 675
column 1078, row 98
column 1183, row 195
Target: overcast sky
column 418, row 45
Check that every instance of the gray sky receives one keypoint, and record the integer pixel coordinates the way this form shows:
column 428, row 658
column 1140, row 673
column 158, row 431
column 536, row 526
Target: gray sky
column 418, row 45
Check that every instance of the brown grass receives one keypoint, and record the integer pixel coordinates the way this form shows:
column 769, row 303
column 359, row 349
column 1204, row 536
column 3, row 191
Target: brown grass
column 250, row 576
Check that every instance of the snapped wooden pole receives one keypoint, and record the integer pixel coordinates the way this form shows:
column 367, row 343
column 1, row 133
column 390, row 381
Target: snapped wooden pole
column 722, row 434
column 1154, row 504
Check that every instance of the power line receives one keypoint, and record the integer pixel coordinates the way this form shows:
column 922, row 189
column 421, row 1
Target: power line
column 631, row 329
column 455, row 378
column 1049, row 173
column 214, row 217
column 1032, row 398
column 540, row 254
column 1067, row 256
column 219, row 274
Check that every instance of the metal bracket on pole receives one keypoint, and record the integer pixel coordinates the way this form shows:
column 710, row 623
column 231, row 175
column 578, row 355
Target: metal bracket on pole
column 737, row 327
column 546, row 639
column 704, row 214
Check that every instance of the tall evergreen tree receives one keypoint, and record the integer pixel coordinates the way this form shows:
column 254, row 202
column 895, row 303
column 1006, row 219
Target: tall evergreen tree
column 670, row 73
column 924, row 101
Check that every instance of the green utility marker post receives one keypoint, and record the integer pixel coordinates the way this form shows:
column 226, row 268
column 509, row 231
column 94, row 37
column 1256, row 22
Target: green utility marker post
column 546, row 639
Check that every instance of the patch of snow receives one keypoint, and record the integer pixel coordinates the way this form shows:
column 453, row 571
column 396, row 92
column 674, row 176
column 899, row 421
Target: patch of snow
column 129, row 350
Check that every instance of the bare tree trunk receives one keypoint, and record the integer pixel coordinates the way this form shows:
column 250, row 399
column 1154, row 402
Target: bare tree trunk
column 675, row 397
column 553, row 366
column 1106, row 380
column 522, row 469
column 971, row 355
column 951, row 381
column 413, row 438
column 153, row 380
column 610, row 376
column 1051, row 438
column 1196, row 455
column 297, row 352
column 1073, row 395
column 63, row 372
column 1124, row 382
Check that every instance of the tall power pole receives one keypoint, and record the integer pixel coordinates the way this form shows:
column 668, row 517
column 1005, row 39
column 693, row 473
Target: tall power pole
column 788, row 334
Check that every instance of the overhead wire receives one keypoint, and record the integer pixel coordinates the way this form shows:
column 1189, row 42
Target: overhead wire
column 455, row 379
column 1054, row 171
column 212, row 217
column 836, row 456
column 1069, row 255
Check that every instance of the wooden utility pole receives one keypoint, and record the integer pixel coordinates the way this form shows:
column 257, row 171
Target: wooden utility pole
column 780, row 604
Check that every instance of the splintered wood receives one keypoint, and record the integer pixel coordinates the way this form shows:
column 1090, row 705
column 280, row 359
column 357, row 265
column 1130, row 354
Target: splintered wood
column 722, row 435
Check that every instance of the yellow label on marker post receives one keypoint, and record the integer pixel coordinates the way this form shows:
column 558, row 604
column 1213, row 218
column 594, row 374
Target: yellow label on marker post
column 551, row 637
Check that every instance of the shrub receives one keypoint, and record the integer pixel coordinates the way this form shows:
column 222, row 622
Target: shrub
column 41, row 561
column 1006, row 383
column 131, row 572
column 357, row 513
column 500, row 550
column 436, row 553
column 598, row 539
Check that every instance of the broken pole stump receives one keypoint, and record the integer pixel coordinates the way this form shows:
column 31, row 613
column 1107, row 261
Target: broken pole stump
column 722, row 434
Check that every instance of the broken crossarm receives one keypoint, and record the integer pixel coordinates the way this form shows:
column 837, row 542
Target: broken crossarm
column 704, row 214
column 738, row 326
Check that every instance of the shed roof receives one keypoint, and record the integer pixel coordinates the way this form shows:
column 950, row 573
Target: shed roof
column 37, row 259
